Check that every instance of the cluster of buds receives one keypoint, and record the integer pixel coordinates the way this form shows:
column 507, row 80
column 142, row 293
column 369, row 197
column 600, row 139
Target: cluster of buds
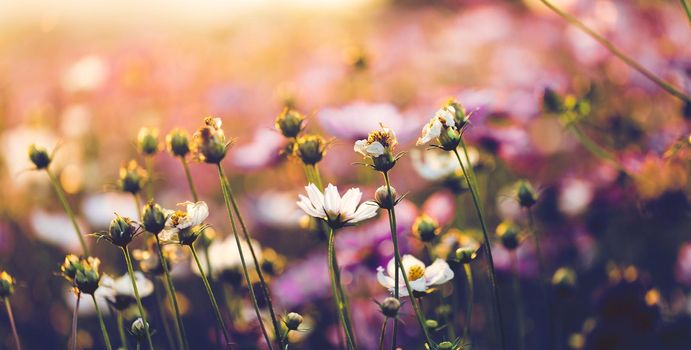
column 132, row 177
column 379, row 148
column 509, row 235
column 178, row 142
column 39, row 156
column 147, row 141
column 82, row 273
column 209, row 142
column 446, row 126
column 121, row 232
column 426, row 228
column 290, row 123
column 7, row 284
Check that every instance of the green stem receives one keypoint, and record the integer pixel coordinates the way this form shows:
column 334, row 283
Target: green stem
column 397, row 261
column 150, row 181
column 686, row 9
column 103, row 324
column 75, row 317
column 138, row 205
column 190, row 183
column 10, row 315
column 469, row 175
column 170, row 290
column 337, row 288
column 382, row 334
column 469, row 301
column 520, row 319
column 538, row 250
column 142, row 314
column 121, row 331
column 160, row 304
column 593, row 147
column 616, row 52
column 210, row 292
column 260, row 274
column 68, row 210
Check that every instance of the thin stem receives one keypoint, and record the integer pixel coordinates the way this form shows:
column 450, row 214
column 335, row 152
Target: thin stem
column 520, row 319
column 68, row 210
column 469, row 175
column 160, row 304
column 103, row 324
column 593, row 147
column 170, row 290
column 336, row 286
column 150, row 181
column 210, row 292
column 138, row 205
column 142, row 314
column 75, row 317
column 260, row 274
column 616, row 52
column 397, row 261
column 686, row 9
column 469, row 301
column 121, row 331
column 538, row 251
column 190, row 183
column 383, row 333
column 8, row 307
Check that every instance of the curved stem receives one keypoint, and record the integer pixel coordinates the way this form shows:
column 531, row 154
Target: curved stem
column 142, row 314
column 469, row 176
column 335, row 277
column 68, row 210
column 103, row 324
column 150, row 181
column 170, row 290
column 8, row 307
column 260, row 274
column 188, row 175
column 75, row 317
column 616, row 52
column 469, row 301
column 121, row 331
column 397, row 261
column 383, row 333
column 210, row 292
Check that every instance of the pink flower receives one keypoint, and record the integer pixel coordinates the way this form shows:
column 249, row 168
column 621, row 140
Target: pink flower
column 356, row 120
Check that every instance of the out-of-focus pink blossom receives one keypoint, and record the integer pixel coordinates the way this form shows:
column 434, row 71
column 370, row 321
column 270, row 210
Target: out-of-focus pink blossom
column 261, row 152
column 356, row 120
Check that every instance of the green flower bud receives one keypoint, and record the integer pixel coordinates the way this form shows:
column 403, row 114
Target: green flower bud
column 390, row 306
column 88, row 277
column 465, row 255
column 7, row 284
column 526, row 194
column 121, row 231
column 139, row 328
column 552, row 102
column 384, row 199
column 178, row 142
column 189, row 235
column 70, row 267
column 431, row 324
column 310, row 149
column 293, row 320
column 289, row 123
column 147, row 141
column 449, row 139
column 426, row 227
column 210, row 144
column 153, row 217
column 460, row 117
column 132, row 177
column 446, row 345
column 39, row 156
column 508, row 233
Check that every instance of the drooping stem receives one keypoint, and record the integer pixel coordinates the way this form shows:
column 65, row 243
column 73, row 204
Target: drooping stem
column 260, row 274
column 472, row 185
column 212, row 298
column 397, row 261
column 469, row 302
column 142, row 314
column 229, row 207
column 616, row 52
column 160, row 304
column 188, row 175
column 170, row 290
column 75, row 317
column 150, row 177
column 520, row 319
column 382, row 334
column 121, row 331
column 106, row 339
column 337, row 288
column 68, row 210
column 10, row 315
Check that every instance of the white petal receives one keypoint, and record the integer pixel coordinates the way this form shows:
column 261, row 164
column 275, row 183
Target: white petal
column 384, row 280
column 365, row 211
column 390, row 269
column 197, row 212
column 169, row 235
column 332, row 200
column 419, row 284
column 438, row 273
column 361, row 147
column 375, row 149
column 123, row 285
column 307, row 206
column 409, row 261
column 315, row 196
column 349, row 202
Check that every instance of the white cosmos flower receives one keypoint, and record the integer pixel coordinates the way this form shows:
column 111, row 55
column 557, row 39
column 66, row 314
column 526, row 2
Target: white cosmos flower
column 110, row 287
column 420, row 277
column 377, row 143
column 224, row 255
column 444, row 118
column 336, row 210
column 194, row 214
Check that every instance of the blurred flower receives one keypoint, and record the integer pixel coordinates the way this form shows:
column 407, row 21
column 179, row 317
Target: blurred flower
column 132, row 177
column 683, row 266
column 289, row 122
column 575, row 196
column 224, row 256
column 509, row 235
column 564, row 281
column 292, row 321
column 209, row 143
column 339, row 121
column 87, row 276
column 434, row 166
column 98, row 208
column 277, row 209
column 525, row 194
column 310, row 148
column 182, row 226
column 426, row 228
column 263, row 151
column 39, row 156
column 119, row 292
column 88, row 73
column 56, row 229
column 178, row 142
column 337, row 211
column 147, row 141
column 421, row 278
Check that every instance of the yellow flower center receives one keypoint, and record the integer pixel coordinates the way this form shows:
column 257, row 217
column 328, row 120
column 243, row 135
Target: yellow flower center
column 382, row 137
column 415, row 272
column 178, row 216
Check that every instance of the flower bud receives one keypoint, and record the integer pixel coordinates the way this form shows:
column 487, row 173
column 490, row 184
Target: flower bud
column 39, row 156
column 310, row 149
column 289, row 123
column 293, row 320
column 153, row 217
column 508, row 233
column 449, row 139
column 210, row 143
column 552, row 102
column 139, row 328
column 384, row 162
column 147, row 141
column 271, row 262
column 385, row 199
column 459, row 113
column 426, row 227
column 121, row 231
column 178, row 142
column 431, row 324
column 132, row 178
column 526, row 194
column 564, row 281
column 189, row 235
column 70, row 266
column 88, row 277
column 7, row 284
column 390, row 306
column 465, row 255
column 445, row 345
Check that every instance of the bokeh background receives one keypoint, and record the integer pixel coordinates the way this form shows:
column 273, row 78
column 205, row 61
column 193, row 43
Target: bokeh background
column 88, row 75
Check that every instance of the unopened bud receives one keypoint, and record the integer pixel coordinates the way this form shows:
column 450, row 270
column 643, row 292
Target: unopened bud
column 39, row 156
column 465, row 255
column 431, row 324
column 508, row 233
column 178, row 142
column 139, row 328
column 449, row 139
column 426, row 227
column 153, row 217
column 390, row 306
column 147, row 141
column 293, row 320
column 121, row 231
column 385, row 198
column 526, row 194
column 289, row 123
column 88, row 276
column 7, row 283
column 310, row 149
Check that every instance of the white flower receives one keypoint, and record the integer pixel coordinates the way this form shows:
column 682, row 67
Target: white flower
column 224, row 255
column 109, row 288
column 435, row 165
column 444, row 118
column 367, row 149
column 336, row 210
column 377, row 143
column 194, row 214
column 420, row 277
